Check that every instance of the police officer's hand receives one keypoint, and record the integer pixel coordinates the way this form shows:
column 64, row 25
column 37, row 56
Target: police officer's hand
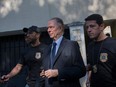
column 87, row 83
column 4, row 78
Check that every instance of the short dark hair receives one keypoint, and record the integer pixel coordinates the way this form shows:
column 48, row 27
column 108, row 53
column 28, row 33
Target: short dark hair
column 97, row 17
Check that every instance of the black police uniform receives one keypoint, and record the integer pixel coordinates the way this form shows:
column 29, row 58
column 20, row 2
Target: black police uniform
column 32, row 57
column 102, row 58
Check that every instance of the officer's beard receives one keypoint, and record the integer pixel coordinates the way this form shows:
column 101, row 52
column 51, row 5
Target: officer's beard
column 33, row 41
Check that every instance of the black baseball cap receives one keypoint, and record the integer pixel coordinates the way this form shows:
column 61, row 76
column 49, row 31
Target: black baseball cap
column 32, row 29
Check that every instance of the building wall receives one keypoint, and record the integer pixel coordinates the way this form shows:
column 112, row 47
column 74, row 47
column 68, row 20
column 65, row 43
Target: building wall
column 17, row 14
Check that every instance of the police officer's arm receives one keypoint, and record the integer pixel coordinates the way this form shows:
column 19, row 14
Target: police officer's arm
column 88, row 69
column 88, row 78
column 13, row 72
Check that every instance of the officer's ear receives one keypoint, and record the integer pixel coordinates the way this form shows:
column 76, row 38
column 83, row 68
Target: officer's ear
column 37, row 35
column 102, row 27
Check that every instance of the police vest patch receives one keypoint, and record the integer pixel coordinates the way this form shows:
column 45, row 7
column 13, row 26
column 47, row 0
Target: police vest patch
column 38, row 55
column 103, row 57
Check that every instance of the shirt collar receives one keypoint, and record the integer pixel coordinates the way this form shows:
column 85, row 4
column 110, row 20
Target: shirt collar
column 59, row 41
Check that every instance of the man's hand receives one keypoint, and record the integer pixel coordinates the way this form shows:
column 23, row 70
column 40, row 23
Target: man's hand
column 87, row 83
column 42, row 74
column 51, row 73
column 4, row 78
column 88, row 78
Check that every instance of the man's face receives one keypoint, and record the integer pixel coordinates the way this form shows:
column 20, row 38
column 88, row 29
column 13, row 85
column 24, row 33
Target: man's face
column 54, row 30
column 93, row 29
column 31, row 37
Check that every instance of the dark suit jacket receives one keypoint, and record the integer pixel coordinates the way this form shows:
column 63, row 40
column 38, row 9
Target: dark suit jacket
column 69, row 63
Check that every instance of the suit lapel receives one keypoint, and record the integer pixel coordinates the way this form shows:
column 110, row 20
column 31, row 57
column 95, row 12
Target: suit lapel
column 61, row 47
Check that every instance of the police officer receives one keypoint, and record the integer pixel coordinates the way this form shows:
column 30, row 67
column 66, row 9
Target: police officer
column 32, row 57
column 101, row 54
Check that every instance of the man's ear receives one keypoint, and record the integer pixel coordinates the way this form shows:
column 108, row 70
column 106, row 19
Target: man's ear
column 102, row 27
column 38, row 35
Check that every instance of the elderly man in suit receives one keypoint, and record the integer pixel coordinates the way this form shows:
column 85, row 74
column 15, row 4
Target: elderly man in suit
column 63, row 65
